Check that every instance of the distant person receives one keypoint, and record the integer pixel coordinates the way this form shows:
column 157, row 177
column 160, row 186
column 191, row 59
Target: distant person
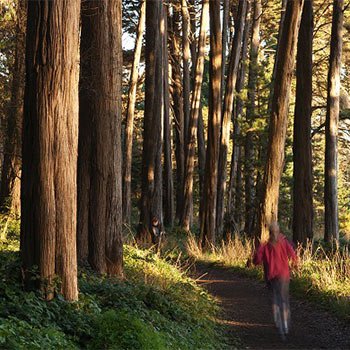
column 275, row 256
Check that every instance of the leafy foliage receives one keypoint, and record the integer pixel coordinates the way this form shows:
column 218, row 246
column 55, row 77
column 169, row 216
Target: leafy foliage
column 156, row 307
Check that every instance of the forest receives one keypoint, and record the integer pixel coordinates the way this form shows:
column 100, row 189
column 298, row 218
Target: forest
column 147, row 150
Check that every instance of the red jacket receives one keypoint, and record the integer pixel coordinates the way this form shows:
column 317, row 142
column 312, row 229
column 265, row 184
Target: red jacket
column 275, row 258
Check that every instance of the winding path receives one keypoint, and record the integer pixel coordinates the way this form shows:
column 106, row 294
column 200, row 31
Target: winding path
column 246, row 312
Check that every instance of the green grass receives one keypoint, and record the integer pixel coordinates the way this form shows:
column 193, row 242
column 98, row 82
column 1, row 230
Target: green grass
column 156, row 307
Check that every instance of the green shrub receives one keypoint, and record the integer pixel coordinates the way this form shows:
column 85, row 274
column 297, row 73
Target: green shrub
column 17, row 335
column 123, row 330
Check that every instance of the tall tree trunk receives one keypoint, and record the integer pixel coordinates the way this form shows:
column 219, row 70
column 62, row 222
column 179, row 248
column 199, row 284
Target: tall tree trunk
column 186, row 66
column 130, row 116
column 302, row 157
column 280, row 30
column 193, row 41
column 227, row 113
column 85, row 131
column 332, row 119
column 195, row 111
column 168, row 162
column 249, row 149
column 208, row 214
column 11, row 166
column 151, row 196
column 103, row 28
column 234, row 201
column 268, row 206
column 49, row 201
column 201, row 151
column 225, row 29
column 178, row 110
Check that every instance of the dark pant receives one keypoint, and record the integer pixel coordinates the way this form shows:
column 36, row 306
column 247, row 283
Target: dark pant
column 280, row 304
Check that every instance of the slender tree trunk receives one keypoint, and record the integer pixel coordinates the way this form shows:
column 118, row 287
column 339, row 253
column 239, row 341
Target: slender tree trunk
column 268, row 207
column 195, row 111
column 249, row 148
column 302, row 157
column 130, row 116
column 178, row 110
column 225, row 29
column 235, row 196
column 201, row 151
column 49, row 201
column 193, row 41
column 208, row 214
column 227, row 113
column 168, row 162
column 332, row 119
column 151, row 196
column 200, row 126
column 11, row 166
column 102, row 21
column 186, row 66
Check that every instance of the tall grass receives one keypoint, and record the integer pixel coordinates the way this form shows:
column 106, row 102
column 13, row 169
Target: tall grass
column 323, row 273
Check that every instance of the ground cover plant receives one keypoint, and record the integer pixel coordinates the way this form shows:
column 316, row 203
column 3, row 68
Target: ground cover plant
column 156, row 307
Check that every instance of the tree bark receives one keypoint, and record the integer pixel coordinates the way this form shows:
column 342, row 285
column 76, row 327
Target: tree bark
column 201, row 151
column 302, row 157
column 130, row 116
column 332, row 119
column 227, row 113
column 251, row 114
column 151, row 196
column 208, row 214
column 177, row 110
column 268, row 206
column 225, row 28
column 168, row 161
column 103, row 27
column 195, row 111
column 11, row 166
column 235, row 194
column 186, row 89
column 49, row 201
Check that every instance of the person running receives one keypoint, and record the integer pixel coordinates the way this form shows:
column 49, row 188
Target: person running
column 275, row 256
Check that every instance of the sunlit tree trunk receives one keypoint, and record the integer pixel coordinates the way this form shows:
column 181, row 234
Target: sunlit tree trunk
column 283, row 14
column 268, row 206
column 227, row 113
column 195, row 111
column 251, row 114
column 208, row 214
column 49, row 201
column 11, row 166
column 302, row 157
column 332, row 119
column 225, row 30
column 130, row 116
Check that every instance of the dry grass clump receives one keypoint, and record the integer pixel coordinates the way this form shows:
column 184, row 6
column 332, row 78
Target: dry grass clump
column 323, row 272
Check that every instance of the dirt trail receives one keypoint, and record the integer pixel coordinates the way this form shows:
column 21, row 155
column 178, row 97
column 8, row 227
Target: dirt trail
column 246, row 311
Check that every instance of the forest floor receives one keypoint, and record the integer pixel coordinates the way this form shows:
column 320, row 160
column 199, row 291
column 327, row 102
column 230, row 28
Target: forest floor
column 247, row 314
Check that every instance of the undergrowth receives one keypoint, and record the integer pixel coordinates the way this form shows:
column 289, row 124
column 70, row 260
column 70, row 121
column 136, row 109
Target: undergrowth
column 155, row 307
column 323, row 275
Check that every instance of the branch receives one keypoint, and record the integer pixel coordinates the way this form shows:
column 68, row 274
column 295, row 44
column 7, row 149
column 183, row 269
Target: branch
column 344, row 115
